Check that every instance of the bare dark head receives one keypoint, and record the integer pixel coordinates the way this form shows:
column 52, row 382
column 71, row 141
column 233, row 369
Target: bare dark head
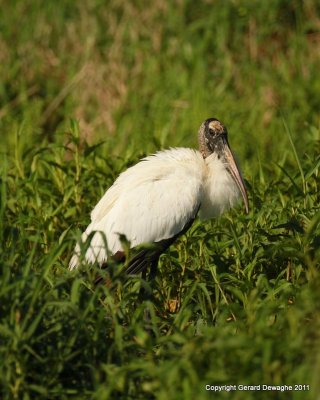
column 213, row 139
column 211, row 133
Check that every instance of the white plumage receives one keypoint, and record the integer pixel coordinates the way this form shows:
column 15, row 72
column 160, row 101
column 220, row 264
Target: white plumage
column 156, row 198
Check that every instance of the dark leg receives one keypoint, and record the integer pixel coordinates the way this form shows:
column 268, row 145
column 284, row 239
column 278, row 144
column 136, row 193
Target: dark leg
column 153, row 270
column 146, row 293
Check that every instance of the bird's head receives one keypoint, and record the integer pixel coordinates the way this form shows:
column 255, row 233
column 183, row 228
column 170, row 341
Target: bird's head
column 213, row 139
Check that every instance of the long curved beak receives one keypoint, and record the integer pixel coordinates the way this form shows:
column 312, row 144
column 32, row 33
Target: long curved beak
column 235, row 173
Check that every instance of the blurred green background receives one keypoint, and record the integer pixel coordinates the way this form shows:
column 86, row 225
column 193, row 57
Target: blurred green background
column 148, row 74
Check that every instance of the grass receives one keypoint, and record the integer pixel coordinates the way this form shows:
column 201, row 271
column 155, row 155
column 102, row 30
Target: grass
column 237, row 299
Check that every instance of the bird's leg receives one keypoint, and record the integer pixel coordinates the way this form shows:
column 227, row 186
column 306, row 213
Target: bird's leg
column 146, row 293
column 142, row 291
column 153, row 270
column 144, row 274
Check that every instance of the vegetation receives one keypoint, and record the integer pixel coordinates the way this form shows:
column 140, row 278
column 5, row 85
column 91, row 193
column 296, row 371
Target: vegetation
column 236, row 300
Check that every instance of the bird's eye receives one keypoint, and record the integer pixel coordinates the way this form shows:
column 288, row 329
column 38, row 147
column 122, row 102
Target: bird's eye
column 212, row 132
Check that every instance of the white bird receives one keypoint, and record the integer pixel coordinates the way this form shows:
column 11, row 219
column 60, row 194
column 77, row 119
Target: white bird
column 157, row 200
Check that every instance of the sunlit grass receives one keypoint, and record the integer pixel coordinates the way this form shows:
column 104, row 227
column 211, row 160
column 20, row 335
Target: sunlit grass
column 234, row 300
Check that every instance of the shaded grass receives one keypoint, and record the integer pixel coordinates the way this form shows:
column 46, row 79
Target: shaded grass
column 236, row 300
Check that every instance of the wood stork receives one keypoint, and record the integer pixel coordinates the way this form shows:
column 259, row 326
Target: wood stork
column 157, row 200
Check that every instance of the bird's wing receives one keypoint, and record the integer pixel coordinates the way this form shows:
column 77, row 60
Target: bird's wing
column 150, row 202
column 149, row 255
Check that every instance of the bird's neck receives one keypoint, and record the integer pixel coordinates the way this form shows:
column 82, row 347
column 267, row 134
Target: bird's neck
column 220, row 191
column 203, row 148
